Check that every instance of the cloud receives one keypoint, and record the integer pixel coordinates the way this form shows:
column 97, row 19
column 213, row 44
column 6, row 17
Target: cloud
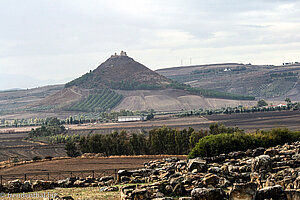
column 54, row 39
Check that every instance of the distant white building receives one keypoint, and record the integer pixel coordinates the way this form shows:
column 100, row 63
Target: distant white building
column 131, row 118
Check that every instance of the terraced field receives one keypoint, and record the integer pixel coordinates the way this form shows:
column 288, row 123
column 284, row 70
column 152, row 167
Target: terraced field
column 101, row 101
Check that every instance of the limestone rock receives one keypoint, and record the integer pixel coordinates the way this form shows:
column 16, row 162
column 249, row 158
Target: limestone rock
column 272, row 192
column 261, row 164
column 208, row 194
column 197, row 163
column 292, row 194
column 243, row 191
column 210, row 179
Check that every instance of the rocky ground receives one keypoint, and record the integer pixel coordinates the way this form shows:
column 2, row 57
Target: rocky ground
column 272, row 173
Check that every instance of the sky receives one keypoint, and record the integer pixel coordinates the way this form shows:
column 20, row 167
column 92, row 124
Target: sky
column 54, row 41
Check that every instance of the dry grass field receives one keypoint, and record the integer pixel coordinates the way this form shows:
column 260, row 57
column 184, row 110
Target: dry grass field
column 85, row 193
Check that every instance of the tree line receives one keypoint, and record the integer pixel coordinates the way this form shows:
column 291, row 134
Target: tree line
column 162, row 140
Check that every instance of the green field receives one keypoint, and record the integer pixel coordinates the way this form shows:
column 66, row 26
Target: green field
column 102, row 100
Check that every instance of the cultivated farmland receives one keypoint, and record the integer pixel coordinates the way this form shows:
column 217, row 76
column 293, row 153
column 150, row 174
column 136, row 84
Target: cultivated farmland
column 100, row 101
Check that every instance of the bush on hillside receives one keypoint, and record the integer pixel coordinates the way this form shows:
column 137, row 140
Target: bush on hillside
column 36, row 158
column 213, row 145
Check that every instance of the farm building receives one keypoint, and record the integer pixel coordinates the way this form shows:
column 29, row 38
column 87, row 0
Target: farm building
column 131, row 118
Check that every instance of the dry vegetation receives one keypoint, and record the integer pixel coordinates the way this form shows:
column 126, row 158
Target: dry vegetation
column 85, row 193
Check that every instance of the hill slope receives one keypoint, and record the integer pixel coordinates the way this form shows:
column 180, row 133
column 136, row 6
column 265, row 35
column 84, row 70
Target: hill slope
column 121, row 72
column 122, row 83
column 262, row 81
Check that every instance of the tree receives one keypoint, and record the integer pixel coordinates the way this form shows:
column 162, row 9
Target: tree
column 287, row 100
column 262, row 103
column 72, row 149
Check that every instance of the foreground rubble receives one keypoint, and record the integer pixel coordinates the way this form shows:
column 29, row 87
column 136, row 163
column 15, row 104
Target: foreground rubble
column 272, row 173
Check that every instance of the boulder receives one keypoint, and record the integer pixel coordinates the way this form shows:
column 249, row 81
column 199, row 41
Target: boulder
column 198, row 164
column 214, row 170
column 174, row 181
column 26, row 187
column 236, row 154
column 171, row 159
column 79, row 183
column 272, row 192
column 140, row 194
column 179, row 190
column 271, row 152
column 39, row 185
column 122, row 173
column 208, row 194
column 210, row 179
column 261, row 164
column 258, row 151
column 109, row 189
column 66, row 183
column 243, row 191
column 292, row 194
column 14, row 186
column 106, row 178
column 126, row 191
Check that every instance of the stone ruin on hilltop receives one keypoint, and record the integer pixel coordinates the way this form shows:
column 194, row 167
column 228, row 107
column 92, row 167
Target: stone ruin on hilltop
column 122, row 53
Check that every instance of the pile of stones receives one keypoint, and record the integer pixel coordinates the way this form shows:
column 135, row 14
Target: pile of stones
column 258, row 174
column 272, row 173
column 17, row 186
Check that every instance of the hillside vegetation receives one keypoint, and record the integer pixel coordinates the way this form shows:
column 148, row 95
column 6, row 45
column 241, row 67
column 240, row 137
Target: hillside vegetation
column 214, row 145
column 99, row 101
column 122, row 73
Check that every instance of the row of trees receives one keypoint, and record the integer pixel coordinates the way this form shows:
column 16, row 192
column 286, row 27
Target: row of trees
column 162, row 140
column 262, row 106
column 77, row 119
column 100, row 101
column 132, row 85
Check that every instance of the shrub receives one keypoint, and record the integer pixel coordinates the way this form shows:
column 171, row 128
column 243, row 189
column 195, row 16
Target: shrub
column 36, row 158
column 48, row 157
column 72, row 149
column 213, row 145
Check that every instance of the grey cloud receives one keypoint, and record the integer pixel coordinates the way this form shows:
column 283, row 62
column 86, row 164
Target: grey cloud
column 34, row 32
